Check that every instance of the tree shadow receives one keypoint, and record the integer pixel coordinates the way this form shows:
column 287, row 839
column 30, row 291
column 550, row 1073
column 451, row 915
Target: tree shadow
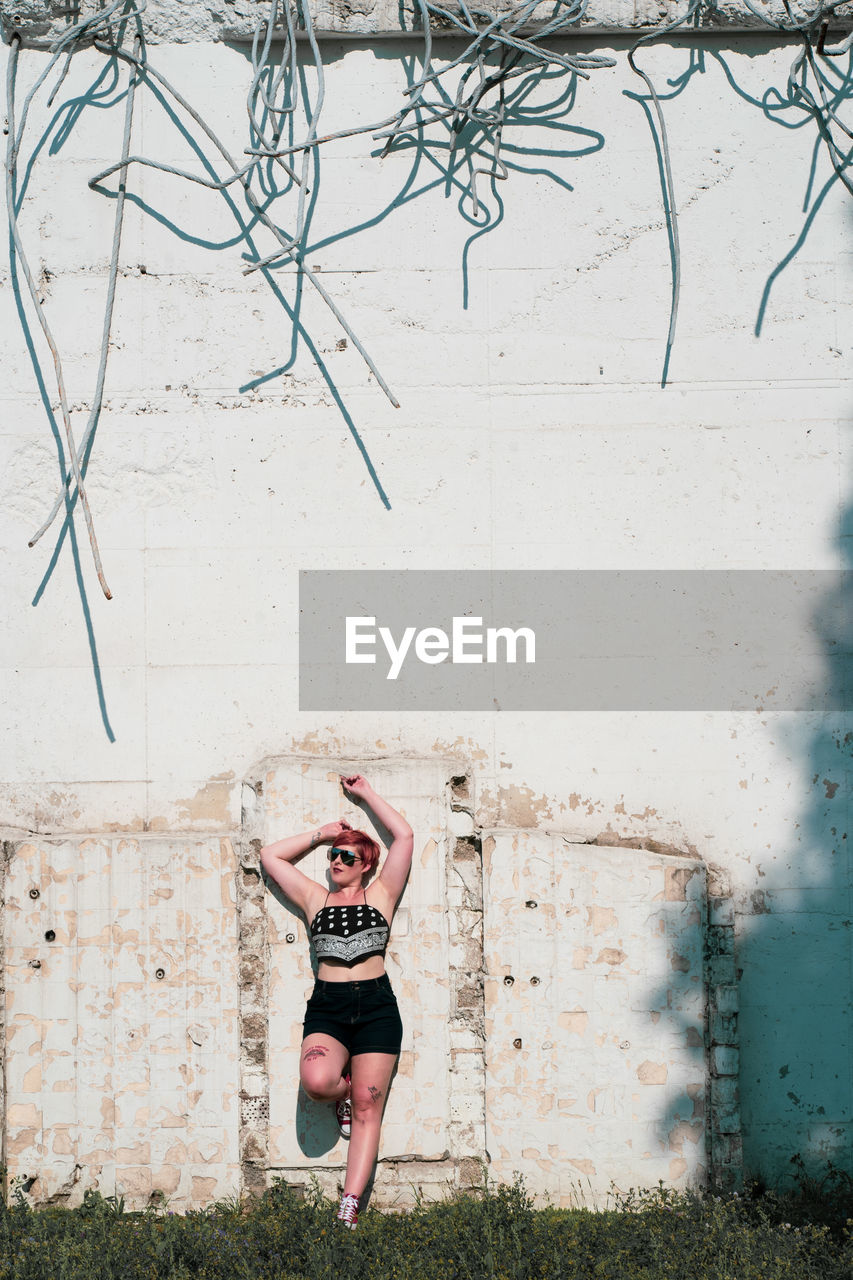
column 781, row 1092
column 794, row 921
column 795, row 957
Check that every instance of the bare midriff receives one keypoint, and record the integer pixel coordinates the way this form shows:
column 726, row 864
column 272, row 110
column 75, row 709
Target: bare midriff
column 362, row 971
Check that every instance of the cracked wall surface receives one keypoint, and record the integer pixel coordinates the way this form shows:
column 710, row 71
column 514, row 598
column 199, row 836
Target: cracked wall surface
column 419, row 1125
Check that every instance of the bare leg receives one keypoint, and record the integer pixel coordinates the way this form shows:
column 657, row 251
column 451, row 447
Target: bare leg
column 322, row 1064
column 371, row 1075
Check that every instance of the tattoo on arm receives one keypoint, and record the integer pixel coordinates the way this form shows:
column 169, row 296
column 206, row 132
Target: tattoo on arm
column 316, row 838
column 316, row 1051
column 375, row 1093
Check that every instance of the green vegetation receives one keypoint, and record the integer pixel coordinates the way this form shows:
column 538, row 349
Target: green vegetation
column 657, row 1235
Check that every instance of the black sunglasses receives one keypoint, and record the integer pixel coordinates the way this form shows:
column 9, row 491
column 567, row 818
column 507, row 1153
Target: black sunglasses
column 346, row 857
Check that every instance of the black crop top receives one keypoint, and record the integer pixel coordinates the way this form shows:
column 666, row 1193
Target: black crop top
column 350, row 933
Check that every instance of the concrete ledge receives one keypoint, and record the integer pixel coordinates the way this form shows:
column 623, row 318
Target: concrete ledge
column 40, row 22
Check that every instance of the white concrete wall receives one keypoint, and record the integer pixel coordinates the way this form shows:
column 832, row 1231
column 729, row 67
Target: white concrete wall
column 532, row 433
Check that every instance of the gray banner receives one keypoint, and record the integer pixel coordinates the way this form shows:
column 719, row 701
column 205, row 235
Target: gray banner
column 700, row 640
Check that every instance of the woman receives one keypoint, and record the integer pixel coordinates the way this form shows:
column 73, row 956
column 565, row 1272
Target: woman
column 352, row 1028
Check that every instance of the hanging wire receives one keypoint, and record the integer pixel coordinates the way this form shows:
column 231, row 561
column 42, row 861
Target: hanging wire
column 271, row 104
column 65, row 44
column 241, row 175
column 495, row 36
column 468, row 92
column 97, row 401
column 670, row 209
column 12, row 149
column 812, row 29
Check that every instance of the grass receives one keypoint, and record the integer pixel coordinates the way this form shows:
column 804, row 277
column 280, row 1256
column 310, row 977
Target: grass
column 806, row 1234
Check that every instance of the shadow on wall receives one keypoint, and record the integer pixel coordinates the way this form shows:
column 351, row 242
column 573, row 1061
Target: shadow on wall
column 795, row 961
column 454, row 161
column 794, row 926
column 795, row 956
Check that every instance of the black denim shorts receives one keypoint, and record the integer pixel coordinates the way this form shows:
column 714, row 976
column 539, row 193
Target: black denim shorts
column 363, row 1016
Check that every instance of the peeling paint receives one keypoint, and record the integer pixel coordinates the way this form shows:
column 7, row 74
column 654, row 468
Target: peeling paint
column 574, row 1021
column 557, row 1051
column 519, row 806
column 211, row 803
column 652, row 1072
column 100, row 1059
column 610, row 840
column 465, row 748
column 685, row 1132
column 496, row 955
column 600, row 919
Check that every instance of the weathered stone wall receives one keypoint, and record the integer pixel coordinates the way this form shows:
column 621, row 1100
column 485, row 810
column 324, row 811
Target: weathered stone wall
column 554, row 995
column 526, row 351
column 121, row 1035
column 595, row 1009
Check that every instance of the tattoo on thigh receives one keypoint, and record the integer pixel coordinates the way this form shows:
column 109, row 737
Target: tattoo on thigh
column 375, row 1093
column 316, row 1051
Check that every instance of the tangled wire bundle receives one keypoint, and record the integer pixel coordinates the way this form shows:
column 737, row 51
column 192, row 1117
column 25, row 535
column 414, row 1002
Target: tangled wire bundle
column 465, row 95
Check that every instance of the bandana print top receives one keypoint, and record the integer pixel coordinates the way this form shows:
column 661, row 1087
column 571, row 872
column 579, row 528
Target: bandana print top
column 350, row 933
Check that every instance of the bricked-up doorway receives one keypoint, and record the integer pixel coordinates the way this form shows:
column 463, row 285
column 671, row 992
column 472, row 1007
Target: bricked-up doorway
column 433, row 1129
column 595, row 1009
column 120, row 1005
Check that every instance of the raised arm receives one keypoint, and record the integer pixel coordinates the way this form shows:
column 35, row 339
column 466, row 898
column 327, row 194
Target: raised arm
column 395, row 869
column 277, row 860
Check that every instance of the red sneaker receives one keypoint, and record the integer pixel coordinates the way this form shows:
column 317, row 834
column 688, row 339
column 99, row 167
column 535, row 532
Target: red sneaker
column 348, row 1212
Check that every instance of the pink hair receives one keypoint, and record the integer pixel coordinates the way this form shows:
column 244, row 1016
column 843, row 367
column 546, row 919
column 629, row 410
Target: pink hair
column 362, row 844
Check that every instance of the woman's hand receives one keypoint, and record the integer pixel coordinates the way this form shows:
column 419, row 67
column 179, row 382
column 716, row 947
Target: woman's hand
column 331, row 831
column 397, row 834
column 278, row 858
column 357, row 787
